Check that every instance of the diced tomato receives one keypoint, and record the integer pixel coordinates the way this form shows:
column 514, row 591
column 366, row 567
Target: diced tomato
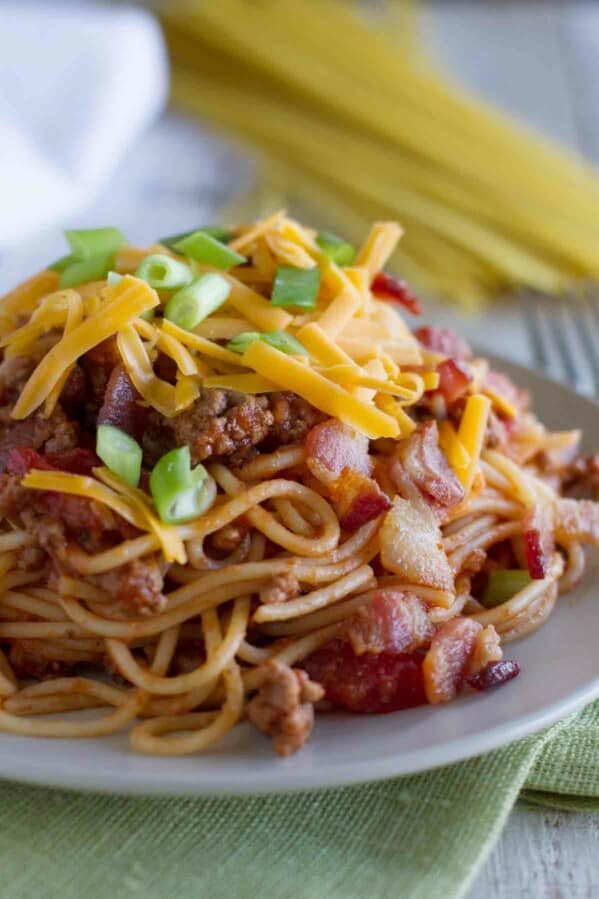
column 22, row 459
column 371, row 683
column 454, row 378
column 76, row 461
column 386, row 287
column 444, row 340
column 539, row 541
column 494, row 674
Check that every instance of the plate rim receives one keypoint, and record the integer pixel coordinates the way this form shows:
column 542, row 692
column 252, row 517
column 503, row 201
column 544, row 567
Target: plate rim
column 122, row 781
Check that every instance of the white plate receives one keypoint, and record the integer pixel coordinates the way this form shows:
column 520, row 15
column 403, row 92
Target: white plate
column 560, row 673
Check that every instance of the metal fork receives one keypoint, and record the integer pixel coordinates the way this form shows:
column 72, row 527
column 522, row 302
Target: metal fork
column 563, row 333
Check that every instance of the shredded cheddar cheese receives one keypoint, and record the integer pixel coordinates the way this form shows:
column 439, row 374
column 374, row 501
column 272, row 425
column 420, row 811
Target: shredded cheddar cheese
column 90, row 488
column 246, row 383
column 316, row 389
column 171, row 543
column 379, row 246
column 454, row 449
column 124, row 302
column 471, row 434
column 201, row 344
column 156, row 392
column 502, row 404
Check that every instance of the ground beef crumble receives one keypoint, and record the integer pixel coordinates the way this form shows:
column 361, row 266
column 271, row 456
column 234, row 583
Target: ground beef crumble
column 225, row 424
column 283, row 706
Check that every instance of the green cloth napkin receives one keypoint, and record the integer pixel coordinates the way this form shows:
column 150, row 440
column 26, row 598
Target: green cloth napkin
column 426, row 835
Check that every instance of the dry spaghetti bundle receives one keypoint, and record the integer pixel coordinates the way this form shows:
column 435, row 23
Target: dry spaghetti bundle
column 235, row 484
column 360, row 128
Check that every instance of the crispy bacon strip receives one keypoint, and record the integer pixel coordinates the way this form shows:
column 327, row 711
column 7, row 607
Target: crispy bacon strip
column 539, row 541
column 333, row 447
column 386, row 287
column 411, row 546
column 443, row 340
column 357, row 499
column 446, row 663
column 422, row 460
column 337, row 456
column 393, row 621
column 371, row 683
column 121, row 404
column 577, row 520
column 454, row 378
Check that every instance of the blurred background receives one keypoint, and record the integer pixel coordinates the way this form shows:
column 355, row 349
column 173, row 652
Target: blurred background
column 473, row 123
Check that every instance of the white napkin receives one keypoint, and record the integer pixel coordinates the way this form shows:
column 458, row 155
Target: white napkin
column 77, row 85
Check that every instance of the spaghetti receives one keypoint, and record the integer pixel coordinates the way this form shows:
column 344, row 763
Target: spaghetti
column 368, row 522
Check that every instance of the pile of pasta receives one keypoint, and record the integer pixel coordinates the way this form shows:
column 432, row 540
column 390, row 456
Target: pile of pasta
column 366, row 372
column 354, row 126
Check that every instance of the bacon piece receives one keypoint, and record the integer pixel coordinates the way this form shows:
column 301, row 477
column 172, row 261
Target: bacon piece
column 283, row 706
column 357, row 499
column 385, row 287
column 337, row 456
column 578, row 520
column 121, row 407
column 454, row 378
column 446, row 663
column 411, row 545
column 371, row 683
column 425, row 464
column 332, row 447
column 539, row 541
column 445, row 341
column 393, row 621
column 495, row 674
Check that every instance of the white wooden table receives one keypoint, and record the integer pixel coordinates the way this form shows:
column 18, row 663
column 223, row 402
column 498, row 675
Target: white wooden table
column 539, row 60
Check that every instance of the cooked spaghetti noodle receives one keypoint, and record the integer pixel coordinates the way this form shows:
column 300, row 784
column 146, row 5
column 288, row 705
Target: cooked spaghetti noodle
column 218, row 509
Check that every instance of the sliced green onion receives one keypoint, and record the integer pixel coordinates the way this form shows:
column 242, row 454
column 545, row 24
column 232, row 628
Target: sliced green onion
column 86, row 270
column 337, row 249
column 191, row 305
column 113, row 278
column 240, row 343
column 285, row 342
column 90, row 242
column 163, row 272
column 280, row 340
column 295, row 286
column 120, row 453
column 62, row 263
column 204, row 248
column 224, row 235
column 504, row 584
column 181, row 493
